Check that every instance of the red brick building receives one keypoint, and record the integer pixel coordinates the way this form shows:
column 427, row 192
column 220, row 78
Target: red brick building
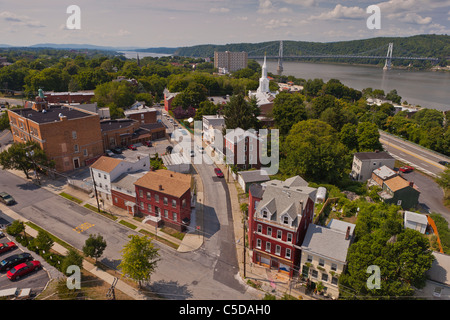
column 70, row 136
column 69, row 97
column 278, row 217
column 164, row 198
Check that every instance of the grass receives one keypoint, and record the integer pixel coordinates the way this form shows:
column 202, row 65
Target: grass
column 173, row 232
column 103, row 213
column 127, row 224
column 158, row 238
column 71, row 198
column 55, row 239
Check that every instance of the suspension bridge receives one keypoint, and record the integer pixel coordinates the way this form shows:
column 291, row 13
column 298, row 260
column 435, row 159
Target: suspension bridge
column 388, row 57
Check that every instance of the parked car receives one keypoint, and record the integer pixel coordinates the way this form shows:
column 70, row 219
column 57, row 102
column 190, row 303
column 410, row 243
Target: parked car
column 444, row 163
column 7, row 198
column 148, row 143
column 109, row 153
column 406, row 169
column 218, row 172
column 132, row 147
column 23, row 269
column 117, row 150
column 14, row 260
column 201, row 149
column 4, row 247
column 192, row 153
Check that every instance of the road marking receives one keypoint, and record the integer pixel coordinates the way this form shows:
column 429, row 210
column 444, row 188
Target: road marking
column 83, row 227
column 414, row 155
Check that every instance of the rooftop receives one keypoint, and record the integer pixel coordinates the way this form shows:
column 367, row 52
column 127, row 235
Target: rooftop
column 440, row 269
column 126, row 180
column 397, row 183
column 384, row 172
column 106, row 164
column 108, row 125
column 373, row 155
column 330, row 243
column 166, row 181
column 254, row 176
column 52, row 114
column 416, row 217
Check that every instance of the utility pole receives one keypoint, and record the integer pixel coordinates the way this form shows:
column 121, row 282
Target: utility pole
column 95, row 189
column 243, row 238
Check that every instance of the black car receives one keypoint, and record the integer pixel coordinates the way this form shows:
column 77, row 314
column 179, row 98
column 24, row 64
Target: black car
column 444, row 163
column 117, row 150
column 14, row 260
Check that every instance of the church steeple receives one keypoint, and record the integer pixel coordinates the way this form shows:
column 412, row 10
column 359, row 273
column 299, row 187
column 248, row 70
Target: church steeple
column 263, row 81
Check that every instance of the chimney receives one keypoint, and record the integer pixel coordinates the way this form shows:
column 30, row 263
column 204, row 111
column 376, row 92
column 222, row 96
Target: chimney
column 347, row 234
column 171, row 175
column 411, row 184
column 160, row 187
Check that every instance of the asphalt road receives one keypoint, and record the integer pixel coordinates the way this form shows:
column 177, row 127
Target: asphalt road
column 418, row 157
column 203, row 274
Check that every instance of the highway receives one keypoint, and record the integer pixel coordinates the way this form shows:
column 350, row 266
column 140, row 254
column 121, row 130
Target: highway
column 418, row 157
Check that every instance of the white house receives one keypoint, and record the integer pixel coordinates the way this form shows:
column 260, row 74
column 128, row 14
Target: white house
column 107, row 169
column 437, row 285
column 364, row 163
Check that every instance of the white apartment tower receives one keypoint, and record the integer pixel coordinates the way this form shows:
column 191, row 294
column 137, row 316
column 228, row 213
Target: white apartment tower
column 231, row 61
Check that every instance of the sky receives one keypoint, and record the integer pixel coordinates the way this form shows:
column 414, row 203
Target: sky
column 177, row 23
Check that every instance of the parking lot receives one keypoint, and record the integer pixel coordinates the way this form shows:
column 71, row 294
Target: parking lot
column 36, row 280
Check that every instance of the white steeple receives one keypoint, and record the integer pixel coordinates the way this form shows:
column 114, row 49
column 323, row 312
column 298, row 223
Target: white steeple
column 263, row 81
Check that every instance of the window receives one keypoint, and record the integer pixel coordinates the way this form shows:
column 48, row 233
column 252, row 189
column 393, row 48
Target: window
column 76, row 149
column 74, row 134
column 324, row 277
column 259, row 228
column 174, row 216
column 183, row 203
column 115, row 200
column 149, row 196
column 142, row 205
column 285, row 220
column 314, row 273
column 334, row 280
column 174, row 203
column 166, row 214
column 289, row 237
column 288, row 253
column 99, row 175
column 141, row 194
column 399, row 202
column 310, row 258
column 277, row 250
column 104, row 176
column 85, row 152
column 269, row 231
column 157, row 211
column 321, row 262
column 156, row 198
column 149, row 208
column 166, row 201
column 258, row 243
column 268, row 246
column 333, row 266
column 264, row 214
column 279, row 233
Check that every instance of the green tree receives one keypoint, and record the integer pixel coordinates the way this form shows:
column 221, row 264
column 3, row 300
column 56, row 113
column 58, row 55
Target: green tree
column 368, row 137
column 94, row 246
column 72, row 258
column 24, row 156
column 43, row 241
column 288, row 109
column 443, row 180
column 240, row 113
column 139, row 258
column 348, row 136
column 313, row 150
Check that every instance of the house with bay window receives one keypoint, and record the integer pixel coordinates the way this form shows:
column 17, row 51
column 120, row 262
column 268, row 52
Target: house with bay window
column 279, row 215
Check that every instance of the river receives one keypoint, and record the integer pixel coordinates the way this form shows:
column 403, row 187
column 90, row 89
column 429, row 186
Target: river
column 429, row 89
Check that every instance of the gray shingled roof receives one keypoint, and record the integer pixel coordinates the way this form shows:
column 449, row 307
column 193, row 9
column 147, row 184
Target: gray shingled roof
column 326, row 242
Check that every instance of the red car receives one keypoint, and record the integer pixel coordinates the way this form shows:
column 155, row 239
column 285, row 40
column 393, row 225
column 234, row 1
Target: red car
column 218, row 172
column 132, row 147
column 23, row 269
column 406, row 169
column 7, row 246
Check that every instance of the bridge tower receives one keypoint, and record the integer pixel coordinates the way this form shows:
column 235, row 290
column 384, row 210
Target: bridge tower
column 388, row 64
column 280, row 59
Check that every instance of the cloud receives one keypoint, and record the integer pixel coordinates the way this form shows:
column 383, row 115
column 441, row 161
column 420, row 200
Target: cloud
column 219, row 10
column 341, row 12
column 265, row 7
column 20, row 20
column 277, row 23
column 304, row 3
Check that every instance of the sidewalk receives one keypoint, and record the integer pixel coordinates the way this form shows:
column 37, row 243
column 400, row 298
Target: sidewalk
column 271, row 281
column 190, row 242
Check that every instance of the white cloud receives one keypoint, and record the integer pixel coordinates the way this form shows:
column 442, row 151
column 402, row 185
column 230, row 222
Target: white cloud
column 341, row 12
column 277, row 23
column 219, row 10
column 265, row 7
column 20, row 20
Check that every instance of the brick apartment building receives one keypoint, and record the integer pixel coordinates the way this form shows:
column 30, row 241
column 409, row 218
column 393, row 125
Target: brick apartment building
column 70, row 136
column 231, row 61
column 164, row 198
column 69, row 97
column 278, row 217
column 141, row 113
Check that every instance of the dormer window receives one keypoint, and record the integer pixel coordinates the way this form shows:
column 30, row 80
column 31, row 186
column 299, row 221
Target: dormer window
column 265, row 214
column 285, row 220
